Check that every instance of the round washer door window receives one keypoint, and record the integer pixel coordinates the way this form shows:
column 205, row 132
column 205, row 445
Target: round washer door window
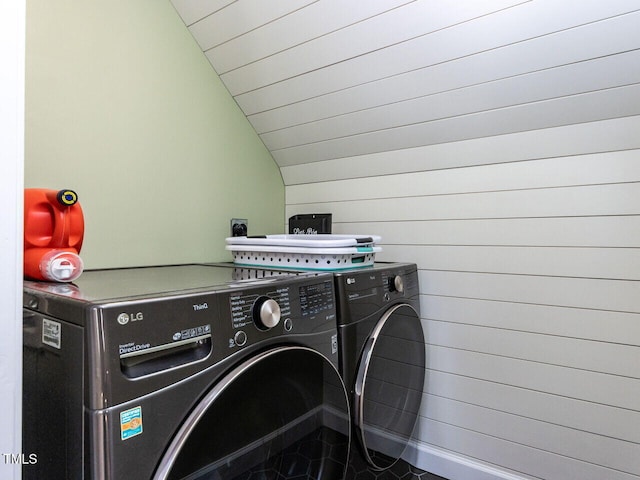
column 389, row 386
column 283, row 414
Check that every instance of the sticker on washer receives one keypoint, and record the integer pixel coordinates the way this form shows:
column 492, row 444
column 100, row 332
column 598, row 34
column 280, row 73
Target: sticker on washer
column 130, row 423
column 51, row 333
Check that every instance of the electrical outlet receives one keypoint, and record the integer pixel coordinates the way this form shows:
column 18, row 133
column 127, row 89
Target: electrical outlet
column 239, row 227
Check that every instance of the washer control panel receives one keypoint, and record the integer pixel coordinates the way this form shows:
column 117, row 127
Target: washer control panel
column 302, row 305
column 264, row 310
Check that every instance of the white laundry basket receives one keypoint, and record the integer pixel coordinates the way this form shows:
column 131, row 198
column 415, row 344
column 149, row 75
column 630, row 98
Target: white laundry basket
column 308, row 252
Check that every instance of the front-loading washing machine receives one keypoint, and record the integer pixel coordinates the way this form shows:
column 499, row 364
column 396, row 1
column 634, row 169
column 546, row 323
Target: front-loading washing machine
column 183, row 372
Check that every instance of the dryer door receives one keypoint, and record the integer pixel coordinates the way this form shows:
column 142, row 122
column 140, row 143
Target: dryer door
column 389, row 386
column 281, row 414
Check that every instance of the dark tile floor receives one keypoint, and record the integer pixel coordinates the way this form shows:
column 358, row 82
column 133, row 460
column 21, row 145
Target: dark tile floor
column 318, row 455
column 401, row 470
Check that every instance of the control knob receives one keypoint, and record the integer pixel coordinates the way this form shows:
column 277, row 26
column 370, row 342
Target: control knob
column 396, row 284
column 266, row 313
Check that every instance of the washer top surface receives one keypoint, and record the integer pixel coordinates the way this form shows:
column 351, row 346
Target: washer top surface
column 99, row 286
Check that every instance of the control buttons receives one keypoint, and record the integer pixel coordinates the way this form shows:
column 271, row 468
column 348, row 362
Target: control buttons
column 266, row 313
column 240, row 338
column 288, row 324
column 193, row 332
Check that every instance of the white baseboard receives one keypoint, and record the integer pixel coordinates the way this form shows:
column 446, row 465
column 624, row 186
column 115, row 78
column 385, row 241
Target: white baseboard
column 453, row 466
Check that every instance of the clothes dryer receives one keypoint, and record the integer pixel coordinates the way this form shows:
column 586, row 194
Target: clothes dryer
column 382, row 356
column 183, row 372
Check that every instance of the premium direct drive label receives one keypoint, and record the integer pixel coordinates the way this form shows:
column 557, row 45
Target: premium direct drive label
column 130, row 423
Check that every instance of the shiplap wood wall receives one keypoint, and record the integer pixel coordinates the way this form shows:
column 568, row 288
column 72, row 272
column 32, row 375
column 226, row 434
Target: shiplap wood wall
column 496, row 144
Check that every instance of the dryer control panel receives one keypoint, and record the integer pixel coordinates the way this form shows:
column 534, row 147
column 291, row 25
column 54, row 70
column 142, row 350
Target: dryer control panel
column 365, row 292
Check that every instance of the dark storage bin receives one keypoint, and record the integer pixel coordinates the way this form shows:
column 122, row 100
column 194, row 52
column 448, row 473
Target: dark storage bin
column 310, row 224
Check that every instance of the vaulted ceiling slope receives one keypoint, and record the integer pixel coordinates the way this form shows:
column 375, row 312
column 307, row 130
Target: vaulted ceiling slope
column 331, row 80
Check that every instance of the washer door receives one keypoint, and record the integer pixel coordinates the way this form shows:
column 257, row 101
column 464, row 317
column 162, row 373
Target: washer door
column 389, row 386
column 281, row 414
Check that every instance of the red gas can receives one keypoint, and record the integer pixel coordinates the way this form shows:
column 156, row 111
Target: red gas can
column 53, row 234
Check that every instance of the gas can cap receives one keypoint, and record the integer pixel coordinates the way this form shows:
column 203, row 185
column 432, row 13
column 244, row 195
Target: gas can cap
column 61, row 266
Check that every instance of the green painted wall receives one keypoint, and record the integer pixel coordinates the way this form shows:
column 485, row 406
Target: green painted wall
column 123, row 107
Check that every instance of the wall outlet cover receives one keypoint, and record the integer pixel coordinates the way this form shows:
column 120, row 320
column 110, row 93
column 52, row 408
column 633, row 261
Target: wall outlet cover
column 239, row 227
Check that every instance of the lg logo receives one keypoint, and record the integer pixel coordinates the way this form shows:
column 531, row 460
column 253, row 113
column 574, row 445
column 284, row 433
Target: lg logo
column 124, row 318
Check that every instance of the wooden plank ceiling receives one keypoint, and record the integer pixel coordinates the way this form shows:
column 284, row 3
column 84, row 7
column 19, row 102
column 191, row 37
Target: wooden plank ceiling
column 328, row 80
column 319, row 79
